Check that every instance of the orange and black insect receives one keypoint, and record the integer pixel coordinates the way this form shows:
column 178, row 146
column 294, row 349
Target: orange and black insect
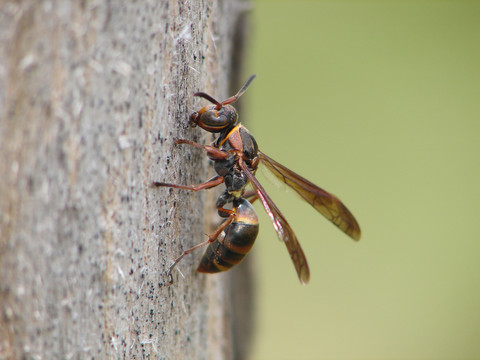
column 236, row 157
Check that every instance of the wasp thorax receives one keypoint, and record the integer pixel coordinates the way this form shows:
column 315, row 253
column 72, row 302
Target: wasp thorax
column 214, row 120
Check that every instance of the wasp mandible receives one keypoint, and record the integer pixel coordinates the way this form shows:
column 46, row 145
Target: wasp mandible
column 236, row 157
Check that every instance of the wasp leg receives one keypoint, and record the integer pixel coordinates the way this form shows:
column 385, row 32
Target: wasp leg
column 222, row 200
column 211, row 239
column 213, row 152
column 215, row 181
column 250, row 195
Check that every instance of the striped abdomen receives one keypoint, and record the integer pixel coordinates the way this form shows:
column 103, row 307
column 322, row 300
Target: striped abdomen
column 234, row 242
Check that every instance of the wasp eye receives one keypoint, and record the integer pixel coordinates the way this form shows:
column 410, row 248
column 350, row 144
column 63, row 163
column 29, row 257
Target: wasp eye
column 193, row 119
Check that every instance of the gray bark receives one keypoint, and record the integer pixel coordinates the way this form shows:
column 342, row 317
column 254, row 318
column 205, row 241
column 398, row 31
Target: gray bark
column 92, row 96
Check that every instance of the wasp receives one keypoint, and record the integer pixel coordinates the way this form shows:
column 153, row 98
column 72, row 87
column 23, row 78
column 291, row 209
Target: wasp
column 236, row 156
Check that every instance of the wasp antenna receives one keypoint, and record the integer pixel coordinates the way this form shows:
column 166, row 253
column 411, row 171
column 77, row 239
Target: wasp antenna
column 209, row 98
column 240, row 92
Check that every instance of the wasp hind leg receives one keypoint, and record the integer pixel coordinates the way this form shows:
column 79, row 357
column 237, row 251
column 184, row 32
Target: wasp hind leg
column 211, row 239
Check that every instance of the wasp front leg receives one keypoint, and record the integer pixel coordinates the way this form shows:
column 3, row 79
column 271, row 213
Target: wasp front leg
column 212, row 152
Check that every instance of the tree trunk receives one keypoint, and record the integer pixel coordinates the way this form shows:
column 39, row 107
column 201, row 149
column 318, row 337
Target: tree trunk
column 92, row 96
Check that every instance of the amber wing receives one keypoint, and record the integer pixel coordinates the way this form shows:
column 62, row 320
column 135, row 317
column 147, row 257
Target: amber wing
column 283, row 229
column 326, row 204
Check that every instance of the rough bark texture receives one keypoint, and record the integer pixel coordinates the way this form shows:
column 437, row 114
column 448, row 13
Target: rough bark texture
column 92, row 96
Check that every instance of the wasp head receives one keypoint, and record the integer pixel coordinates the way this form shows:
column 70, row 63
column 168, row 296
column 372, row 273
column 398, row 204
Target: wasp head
column 214, row 120
column 219, row 116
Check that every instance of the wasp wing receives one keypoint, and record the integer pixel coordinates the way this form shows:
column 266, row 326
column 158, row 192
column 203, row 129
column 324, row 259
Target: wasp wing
column 283, row 229
column 326, row 204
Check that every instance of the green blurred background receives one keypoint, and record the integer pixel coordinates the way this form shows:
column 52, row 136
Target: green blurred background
column 377, row 102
